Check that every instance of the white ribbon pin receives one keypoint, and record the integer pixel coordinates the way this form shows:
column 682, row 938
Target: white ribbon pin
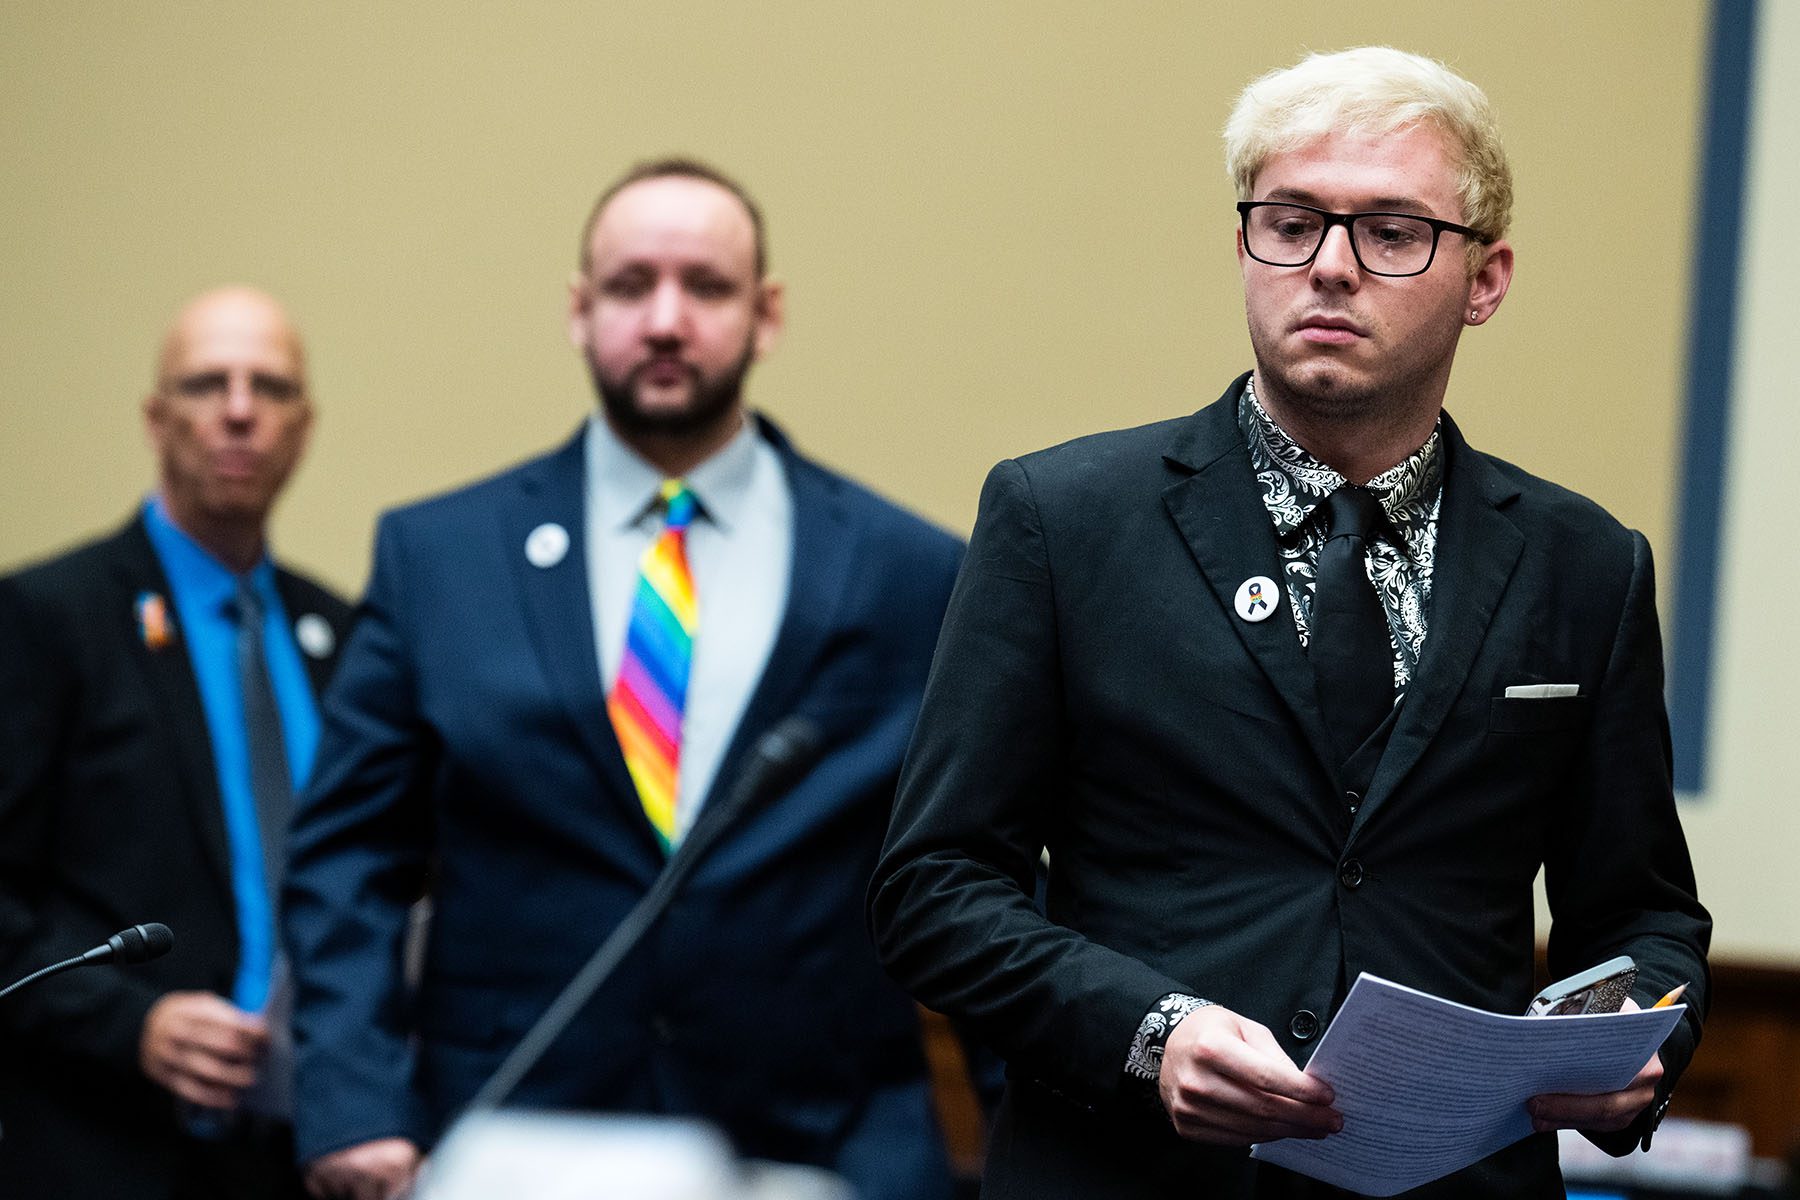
column 1257, row 598
column 546, row 545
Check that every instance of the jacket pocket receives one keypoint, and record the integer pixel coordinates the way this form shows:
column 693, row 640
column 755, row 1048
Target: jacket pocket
column 1514, row 714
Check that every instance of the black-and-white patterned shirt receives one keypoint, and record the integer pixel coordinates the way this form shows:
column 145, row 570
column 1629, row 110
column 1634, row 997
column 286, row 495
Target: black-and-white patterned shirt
column 1294, row 486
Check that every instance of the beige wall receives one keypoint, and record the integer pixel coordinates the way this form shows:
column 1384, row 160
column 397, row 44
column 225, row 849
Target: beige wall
column 1745, row 828
column 1001, row 224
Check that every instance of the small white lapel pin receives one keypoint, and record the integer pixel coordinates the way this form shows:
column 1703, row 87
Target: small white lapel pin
column 314, row 634
column 1257, row 598
column 546, row 545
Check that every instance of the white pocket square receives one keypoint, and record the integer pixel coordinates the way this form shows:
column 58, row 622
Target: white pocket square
column 1542, row 691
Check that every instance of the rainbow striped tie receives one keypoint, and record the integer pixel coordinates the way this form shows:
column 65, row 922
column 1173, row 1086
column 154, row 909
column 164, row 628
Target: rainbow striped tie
column 651, row 689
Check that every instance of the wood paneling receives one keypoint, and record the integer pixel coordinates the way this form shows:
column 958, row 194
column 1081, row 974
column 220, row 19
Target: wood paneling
column 1745, row 1070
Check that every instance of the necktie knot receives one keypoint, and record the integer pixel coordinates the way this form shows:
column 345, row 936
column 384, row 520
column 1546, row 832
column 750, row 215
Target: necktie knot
column 245, row 606
column 678, row 504
column 1352, row 511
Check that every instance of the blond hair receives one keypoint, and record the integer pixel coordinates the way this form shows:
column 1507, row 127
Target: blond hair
column 1379, row 90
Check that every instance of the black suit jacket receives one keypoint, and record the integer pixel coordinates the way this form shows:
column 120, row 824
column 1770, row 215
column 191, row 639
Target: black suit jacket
column 1095, row 692
column 109, row 816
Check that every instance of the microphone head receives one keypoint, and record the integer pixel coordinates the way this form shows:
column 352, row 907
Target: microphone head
column 141, row 943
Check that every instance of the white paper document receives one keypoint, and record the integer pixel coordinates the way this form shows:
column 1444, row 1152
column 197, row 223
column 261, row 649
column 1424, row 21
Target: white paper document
column 1427, row 1086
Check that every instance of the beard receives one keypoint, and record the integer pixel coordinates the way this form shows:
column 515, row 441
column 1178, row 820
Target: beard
column 713, row 401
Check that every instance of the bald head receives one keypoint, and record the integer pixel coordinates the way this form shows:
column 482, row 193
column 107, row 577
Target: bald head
column 245, row 315
column 229, row 417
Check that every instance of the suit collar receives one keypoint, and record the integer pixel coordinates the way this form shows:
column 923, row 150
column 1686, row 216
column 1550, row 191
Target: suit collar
column 1210, row 434
column 827, row 533
column 1219, row 511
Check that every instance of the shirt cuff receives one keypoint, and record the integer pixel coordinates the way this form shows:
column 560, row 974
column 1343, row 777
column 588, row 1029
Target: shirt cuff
column 1145, row 1059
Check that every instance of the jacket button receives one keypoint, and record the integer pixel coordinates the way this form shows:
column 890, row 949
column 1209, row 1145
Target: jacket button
column 1353, row 801
column 1351, row 874
column 1304, row 1026
column 662, row 1029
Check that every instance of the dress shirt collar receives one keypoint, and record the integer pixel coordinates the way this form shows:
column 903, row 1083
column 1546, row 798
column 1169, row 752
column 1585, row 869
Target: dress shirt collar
column 204, row 583
column 1405, row 489
column 628, row 488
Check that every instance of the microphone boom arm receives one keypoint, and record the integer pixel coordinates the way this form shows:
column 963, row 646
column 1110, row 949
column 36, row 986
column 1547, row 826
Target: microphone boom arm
column 789, row 745
column 140, row 943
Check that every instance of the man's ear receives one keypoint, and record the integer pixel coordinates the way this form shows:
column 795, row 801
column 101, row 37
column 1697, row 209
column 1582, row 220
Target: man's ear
column 1487, row 287
column 771, row 315
column 153, row 415
column 580, row 300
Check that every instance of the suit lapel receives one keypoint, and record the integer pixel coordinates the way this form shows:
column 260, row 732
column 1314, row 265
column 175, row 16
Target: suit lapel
column 1478, row 549
column 180, row 715
column 1220, row 514
column 825, row 537
column 559, row 612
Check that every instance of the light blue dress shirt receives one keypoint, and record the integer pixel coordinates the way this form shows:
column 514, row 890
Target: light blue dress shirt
column 740, row 549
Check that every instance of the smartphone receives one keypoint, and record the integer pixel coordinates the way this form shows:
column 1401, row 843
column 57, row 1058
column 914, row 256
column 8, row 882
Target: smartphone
column 1600, row 989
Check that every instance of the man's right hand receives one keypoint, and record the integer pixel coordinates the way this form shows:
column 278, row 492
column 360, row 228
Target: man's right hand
column 377, row 1170
column 1225, row 1081
column 201, row 1047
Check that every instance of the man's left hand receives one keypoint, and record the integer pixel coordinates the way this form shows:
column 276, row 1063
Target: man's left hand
column 1604, row 1113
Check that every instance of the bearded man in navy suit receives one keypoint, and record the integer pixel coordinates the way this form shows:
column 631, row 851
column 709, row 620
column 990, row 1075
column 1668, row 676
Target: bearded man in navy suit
column 1293, row 688
column 473, row 753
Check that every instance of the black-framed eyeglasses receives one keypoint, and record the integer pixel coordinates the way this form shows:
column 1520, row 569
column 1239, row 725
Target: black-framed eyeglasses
column 1393, row 244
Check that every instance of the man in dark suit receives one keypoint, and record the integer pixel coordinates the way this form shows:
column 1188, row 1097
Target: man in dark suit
column 1294, row 688
column 557, row 673
column 130, row 791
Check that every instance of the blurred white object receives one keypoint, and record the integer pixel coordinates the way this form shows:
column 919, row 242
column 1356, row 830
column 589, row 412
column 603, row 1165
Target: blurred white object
column 512, row 1155
column 782, row 1181
column 1693, row 1156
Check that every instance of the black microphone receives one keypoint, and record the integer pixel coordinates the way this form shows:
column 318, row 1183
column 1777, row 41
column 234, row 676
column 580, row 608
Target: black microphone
column 140, row 943
column 779, row 756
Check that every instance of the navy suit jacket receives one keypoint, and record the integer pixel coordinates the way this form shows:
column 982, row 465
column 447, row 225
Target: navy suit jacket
column 467, row 755
column 109, row 816
column 1096, row 692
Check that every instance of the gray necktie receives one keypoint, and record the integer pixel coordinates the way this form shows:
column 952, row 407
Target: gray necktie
column 270, row 784
column 272, row 788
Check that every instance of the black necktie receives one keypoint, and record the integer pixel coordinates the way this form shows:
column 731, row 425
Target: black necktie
column 1349, row 646
column 270, row 784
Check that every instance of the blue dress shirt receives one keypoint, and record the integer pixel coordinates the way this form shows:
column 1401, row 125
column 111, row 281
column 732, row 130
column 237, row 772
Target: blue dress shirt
column 202, row 591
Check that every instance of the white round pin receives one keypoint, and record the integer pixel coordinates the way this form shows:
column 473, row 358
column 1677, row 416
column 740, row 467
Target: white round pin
column 314, row 634
column 546, row 545
column 1257, row 598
